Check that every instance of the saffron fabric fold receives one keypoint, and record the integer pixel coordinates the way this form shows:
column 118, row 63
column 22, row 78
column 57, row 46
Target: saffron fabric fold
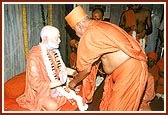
column 159, row 67
column 37, row 89
column 131, row 76
column 130, row 18
column 73, row 58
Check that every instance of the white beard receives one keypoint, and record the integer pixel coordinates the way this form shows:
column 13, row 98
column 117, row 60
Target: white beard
column 52, row 46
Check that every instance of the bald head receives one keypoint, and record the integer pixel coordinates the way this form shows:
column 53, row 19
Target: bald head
column 49, row 31
column 98, row 14
column 51, row 36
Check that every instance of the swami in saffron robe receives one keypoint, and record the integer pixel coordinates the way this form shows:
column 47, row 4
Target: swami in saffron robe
column 37, row 88
column 160, row 79
column 123, row 89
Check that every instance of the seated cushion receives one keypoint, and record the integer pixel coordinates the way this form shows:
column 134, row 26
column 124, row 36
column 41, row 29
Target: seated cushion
column 10, row 104
column 15, row 86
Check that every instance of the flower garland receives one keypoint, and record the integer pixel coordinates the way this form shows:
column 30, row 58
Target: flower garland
column 51, row 72
column 47, row 62
column 62, row 68
column 25, row 29
column 60, row 91
column 51, row 16
column 42, row 14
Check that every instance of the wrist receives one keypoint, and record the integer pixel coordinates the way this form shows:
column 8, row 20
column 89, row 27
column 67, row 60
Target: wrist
column 75, row 79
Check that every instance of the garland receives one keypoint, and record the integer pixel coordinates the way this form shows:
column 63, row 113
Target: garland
column 51, row 16
column 25, row 29
column 60, row 91
column 47, row 63
column 42, row 14
column 62, row 75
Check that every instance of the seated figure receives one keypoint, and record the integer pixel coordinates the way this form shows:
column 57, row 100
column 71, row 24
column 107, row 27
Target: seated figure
column 45, row 73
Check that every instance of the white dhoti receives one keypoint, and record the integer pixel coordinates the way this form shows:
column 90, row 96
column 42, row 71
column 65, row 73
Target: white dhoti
column 143, row 41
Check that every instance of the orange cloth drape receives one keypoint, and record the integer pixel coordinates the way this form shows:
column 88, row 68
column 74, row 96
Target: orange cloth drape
column 149, row 91
column 130, row 78
column 73, row 58
column 159, row 79
column 130, row 18
column 160, row 87
column 37, row 89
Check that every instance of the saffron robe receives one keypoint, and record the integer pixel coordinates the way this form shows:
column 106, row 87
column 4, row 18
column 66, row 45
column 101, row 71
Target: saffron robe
column 158, row 79
column 149, row 94
column 73, row 59
column 123, row 89
column 37, row 88
column 73, row 54
column 130, row 18
column 131, row 22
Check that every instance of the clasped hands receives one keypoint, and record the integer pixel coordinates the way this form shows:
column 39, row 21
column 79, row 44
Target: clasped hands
column 72, row 83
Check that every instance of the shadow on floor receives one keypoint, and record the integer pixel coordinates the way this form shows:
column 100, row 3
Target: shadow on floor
column 157, row 104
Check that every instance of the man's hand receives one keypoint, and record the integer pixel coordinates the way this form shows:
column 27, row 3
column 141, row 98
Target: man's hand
column 75, row 73
column 71, row 72
column 79, row 77
column 72, row 84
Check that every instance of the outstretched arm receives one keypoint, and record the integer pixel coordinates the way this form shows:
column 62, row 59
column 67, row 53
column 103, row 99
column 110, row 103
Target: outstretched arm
column 79, row 77
column 71, row 72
